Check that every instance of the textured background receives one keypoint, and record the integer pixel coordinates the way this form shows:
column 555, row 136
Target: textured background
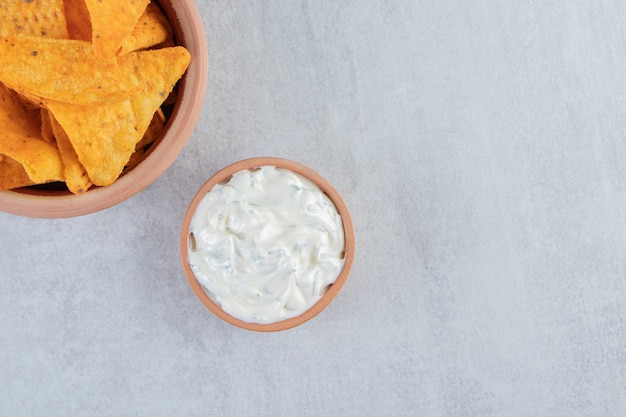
column 480, row 148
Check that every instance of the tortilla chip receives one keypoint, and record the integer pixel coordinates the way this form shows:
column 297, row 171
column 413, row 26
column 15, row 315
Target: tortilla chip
column 34, row 17
column 16, row 116
column 46, row 127
column 20, row 139
column 75, row 175
column 159, row 70
column 135, row 159
column 154, row 130
column 152, row 29
column 168, row 43
column 63, row 70
column 40, row 160
column 105, row 137
column 12, row 174
column 78, row 21
column 30, row 102
column 81, row 87
column 112, row 21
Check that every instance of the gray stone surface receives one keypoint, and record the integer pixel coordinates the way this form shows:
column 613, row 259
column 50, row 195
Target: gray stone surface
column 480, row 147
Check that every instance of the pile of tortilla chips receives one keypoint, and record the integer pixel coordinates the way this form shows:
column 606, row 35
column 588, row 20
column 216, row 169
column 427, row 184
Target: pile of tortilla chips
column 82, row 85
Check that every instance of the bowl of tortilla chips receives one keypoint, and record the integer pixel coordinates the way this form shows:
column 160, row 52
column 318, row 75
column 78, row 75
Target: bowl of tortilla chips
column 97, row 99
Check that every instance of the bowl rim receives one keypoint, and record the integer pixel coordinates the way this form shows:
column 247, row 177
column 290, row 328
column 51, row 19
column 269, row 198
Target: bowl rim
column 31, row 203
column 325, row 186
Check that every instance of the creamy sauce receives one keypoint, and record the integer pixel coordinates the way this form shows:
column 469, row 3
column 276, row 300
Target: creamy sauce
column 266, row 244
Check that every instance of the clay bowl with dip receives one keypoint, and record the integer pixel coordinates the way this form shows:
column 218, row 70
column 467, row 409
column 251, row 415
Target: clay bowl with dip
column 179, row 113
column 266, row 244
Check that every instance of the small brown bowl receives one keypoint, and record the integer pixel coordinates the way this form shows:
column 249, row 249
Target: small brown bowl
column 333, row 289
column 53, row 201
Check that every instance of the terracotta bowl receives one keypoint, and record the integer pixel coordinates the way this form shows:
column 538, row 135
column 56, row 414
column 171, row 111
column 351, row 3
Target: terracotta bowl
column 333, row 289
column 54, row 202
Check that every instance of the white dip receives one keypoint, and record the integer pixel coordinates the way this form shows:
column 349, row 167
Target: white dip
column 266, row 244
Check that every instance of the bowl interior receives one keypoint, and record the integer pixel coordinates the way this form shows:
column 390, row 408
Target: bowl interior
column 333, row 289
column 55, row 201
